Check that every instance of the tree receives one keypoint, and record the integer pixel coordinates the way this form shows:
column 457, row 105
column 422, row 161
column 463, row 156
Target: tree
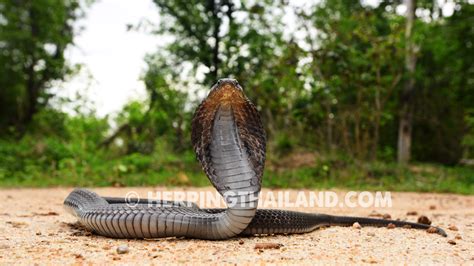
column 339, row 94
column 33, row 38
column 197, row 27
column 406, row 101
column 164, row 114
column 444, row 91
column 214, row 41
column 356, row 65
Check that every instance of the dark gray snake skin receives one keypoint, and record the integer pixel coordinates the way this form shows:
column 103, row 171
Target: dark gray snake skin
column 229, row 141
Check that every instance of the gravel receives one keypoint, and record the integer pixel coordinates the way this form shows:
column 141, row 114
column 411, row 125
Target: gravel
column 64, row 241
column 123, row 249
column 268, row 246
column 424, row 220
column 356, row 225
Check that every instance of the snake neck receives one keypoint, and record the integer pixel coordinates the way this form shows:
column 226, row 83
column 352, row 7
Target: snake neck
column 232, row 170
column 233, row 175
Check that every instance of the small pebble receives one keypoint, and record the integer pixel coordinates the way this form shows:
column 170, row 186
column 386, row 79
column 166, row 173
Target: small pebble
column 387, row 216
column 356, row 225
column 241, row 242
column 458, row 237
column 432, row 230
column 370, row 260
column 38, row 233
column 123, row 249
column 17, row 224
column 412, row 213
column 268, row 246
column 424, row 220
column 375, row 214
column 391, row 226
column 452, row 242
column 453, row 228
column 432, row 207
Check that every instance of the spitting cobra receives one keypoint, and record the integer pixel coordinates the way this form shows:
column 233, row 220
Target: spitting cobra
column 230, row 143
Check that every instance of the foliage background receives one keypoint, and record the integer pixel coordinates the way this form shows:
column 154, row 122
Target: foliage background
column 330, row 98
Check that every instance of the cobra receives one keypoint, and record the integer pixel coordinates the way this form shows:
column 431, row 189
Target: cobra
column 230, row 143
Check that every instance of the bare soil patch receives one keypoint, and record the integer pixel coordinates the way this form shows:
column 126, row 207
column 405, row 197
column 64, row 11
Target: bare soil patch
column 34, row 228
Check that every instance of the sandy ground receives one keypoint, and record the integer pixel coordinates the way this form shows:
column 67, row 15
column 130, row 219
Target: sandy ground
column 35, row 229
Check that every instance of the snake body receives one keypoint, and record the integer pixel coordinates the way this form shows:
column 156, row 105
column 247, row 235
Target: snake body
column 229, row 141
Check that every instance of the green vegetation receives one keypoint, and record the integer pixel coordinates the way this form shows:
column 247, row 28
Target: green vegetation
column 33, row 38
column 332, row 94
column 68, row 155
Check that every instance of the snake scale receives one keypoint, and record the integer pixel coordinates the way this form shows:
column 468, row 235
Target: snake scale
column 229, row 141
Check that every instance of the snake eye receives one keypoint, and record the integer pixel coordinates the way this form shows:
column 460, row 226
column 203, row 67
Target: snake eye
column 237, row 85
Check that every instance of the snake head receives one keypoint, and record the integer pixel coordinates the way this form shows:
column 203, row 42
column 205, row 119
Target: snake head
column 226, row 82
column 226, row 91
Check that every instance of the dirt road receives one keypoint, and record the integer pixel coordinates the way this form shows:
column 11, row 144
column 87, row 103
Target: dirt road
column 34, row 228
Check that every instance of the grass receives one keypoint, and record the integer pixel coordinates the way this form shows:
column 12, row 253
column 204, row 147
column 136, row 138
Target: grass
column 378, row 176
column 173, row 170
